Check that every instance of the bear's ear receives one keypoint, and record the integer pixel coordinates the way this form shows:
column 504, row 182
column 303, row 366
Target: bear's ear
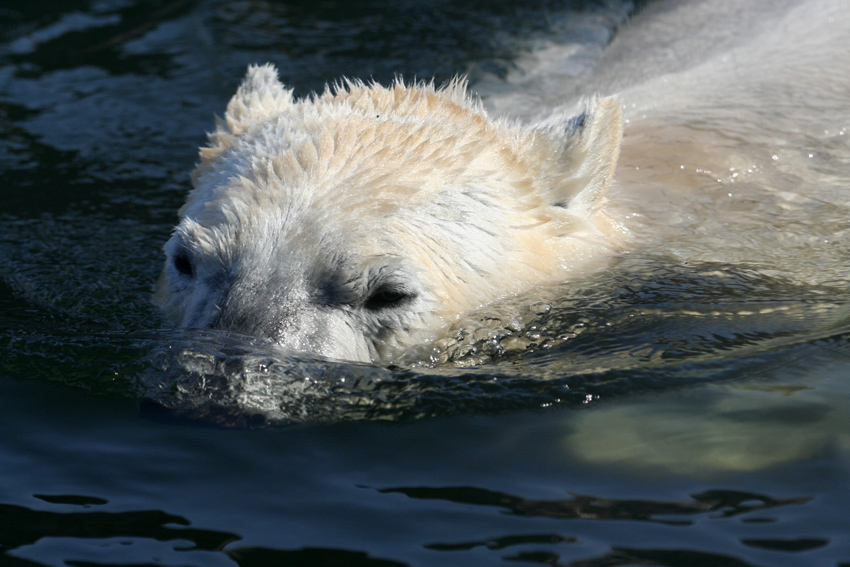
column 260, row 96
column 581, row 153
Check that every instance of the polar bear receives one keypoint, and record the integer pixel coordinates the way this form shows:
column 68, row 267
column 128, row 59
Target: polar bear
column 362, row 221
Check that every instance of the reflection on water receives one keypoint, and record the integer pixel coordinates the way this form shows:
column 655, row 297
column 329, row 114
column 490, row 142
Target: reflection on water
column 259, row 556
column 727, row 503
column 23, row 527
column 28, row 533
column 740, row 427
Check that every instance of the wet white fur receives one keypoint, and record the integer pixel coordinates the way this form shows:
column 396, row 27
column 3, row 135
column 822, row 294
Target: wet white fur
column 359, row 222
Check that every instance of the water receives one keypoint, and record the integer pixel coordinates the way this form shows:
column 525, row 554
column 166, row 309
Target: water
column 684, row 406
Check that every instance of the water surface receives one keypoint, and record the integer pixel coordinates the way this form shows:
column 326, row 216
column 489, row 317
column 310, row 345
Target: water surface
column 685, row 406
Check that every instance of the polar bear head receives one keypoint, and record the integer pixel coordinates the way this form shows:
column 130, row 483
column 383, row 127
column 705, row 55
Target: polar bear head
column 361, row 221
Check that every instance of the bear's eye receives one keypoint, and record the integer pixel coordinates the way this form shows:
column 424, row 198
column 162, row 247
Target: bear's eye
column 388, row 297
column 183, row 264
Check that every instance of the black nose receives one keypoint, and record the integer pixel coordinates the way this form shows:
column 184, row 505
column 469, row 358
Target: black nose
column 259, row 309
column 245, row 319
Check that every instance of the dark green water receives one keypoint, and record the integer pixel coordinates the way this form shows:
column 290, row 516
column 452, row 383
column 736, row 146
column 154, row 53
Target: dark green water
column 665, row 413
